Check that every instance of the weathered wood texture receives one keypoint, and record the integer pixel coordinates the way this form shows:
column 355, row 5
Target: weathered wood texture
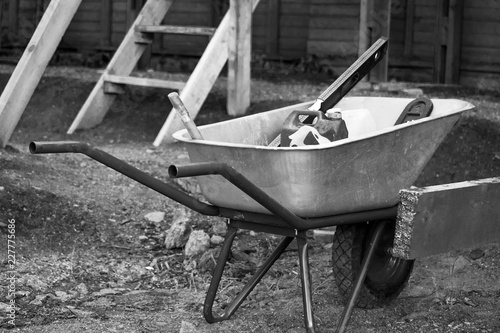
column 201, row 80
column 239, row 56
column 97, row 104
column 443, row 218
column 29, row 70
column 472, row 39
column 334, row 30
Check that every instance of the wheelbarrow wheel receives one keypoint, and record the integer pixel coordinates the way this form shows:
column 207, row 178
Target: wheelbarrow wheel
column 386, row 276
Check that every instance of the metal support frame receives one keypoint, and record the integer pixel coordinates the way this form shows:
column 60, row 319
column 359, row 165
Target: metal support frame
column 305, row 275
column 281, row 222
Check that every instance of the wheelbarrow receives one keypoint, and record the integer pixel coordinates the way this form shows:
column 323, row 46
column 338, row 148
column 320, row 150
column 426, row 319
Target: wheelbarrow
column 353, row 184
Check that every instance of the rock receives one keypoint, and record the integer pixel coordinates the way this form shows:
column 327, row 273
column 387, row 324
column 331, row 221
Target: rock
column 460, row 263
column 82, row 289
column 177, row 235
column 197, row 243
column 219, row 228
column 155, row 217
column 2, row 188
column 80, row 313
column 208, row 260
column 181, row 215
column 39, row 299
column 216, row 240
column 33, row 282
column 63, row 296
column 5, row 307
column 476, row 254
column 109, row 291
column 187, row 327
column 143, row 238
column 416, row 92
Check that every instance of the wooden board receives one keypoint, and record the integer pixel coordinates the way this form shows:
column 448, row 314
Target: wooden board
column 443, row 218
column 239, row 57
column 201, row 80
column 123, row 62
column 32, row 64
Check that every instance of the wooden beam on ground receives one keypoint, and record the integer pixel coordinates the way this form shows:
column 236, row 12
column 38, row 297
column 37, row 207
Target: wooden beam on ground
column 443, row 218
column 201, row 80
column 32, row 64
column 239, row 57
column 123, row 62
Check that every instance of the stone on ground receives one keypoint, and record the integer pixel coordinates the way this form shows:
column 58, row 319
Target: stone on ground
column 197, row 243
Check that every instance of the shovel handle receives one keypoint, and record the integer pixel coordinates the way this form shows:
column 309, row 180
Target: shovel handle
column 184, row 114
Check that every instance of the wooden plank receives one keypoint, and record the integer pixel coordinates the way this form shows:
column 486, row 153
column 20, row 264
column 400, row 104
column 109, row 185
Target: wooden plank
column 272, row 25
column 439, row 42
column 443, row 218
column 381, row 17
column 337, row 11
column 454, row 41
column 410, row 15
column 144, row 82
column 201, row 80
column 176, row 29
column 30, row 68
column 123, row 62
column 239, row 57
column 364, row 31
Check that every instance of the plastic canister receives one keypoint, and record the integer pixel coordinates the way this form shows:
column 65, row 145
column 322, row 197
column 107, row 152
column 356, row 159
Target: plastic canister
column 333, row 128
column 359, row 122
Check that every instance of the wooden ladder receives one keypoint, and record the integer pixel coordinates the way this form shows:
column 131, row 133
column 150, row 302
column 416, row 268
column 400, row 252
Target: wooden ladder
column 235, row 24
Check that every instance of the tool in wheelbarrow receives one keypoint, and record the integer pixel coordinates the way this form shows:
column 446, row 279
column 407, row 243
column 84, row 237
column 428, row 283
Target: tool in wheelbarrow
column 184, row 114
column 344, row 83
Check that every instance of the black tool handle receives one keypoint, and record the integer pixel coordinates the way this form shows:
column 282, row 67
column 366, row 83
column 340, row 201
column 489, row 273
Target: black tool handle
column 338, row 89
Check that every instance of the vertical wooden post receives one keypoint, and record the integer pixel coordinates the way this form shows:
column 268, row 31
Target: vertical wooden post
column 374, row 22
column 454, row 41
column 381, row 26
column 32, row 64
column 273, row 27
column 440, row 40
column 364, row 29
column 106, row 23
column 239, row 56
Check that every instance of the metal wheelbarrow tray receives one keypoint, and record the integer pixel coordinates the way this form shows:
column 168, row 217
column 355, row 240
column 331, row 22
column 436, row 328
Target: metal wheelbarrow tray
column 354, row 174
column 290, row 191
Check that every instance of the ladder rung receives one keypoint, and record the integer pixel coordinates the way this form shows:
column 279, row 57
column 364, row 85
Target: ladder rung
column 175, row 29
column 144, row 82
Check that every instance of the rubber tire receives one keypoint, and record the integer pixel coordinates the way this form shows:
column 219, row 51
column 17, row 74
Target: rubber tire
column 380, row 286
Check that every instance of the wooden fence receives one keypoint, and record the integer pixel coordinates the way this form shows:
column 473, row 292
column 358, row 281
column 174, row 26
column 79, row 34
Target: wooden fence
column 453, row 41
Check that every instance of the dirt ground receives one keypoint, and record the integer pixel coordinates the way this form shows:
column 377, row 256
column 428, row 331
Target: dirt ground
column 88, row 261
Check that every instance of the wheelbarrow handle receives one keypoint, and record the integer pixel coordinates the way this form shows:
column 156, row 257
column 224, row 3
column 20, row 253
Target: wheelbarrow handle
column 125, row 169
column 240, row 181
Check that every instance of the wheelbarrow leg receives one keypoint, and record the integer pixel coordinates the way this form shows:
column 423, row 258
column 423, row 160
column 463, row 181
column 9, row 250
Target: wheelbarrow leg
column 305, row 277
column 219, row 269
column 346, row 315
